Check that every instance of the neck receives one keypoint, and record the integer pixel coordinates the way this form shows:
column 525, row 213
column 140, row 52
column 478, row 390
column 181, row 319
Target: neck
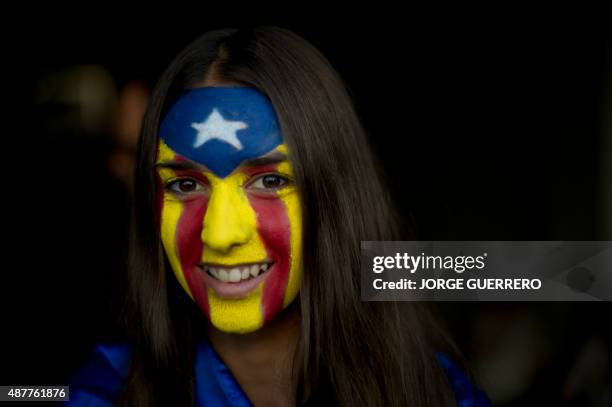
column 262, row 361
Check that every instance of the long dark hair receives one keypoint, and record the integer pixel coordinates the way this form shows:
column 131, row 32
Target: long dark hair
column 350, row 352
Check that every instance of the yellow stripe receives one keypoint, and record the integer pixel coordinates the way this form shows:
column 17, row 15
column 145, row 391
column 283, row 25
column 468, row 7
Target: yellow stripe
column 237, row 315
column 294, row 213
column 230, row 219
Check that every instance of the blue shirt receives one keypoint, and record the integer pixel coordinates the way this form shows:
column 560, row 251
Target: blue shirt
column 100, row 381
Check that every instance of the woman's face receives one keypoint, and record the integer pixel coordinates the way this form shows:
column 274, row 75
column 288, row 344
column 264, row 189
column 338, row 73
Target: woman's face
column 230, row 213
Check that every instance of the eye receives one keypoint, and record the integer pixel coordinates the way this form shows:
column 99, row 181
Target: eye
column 269, row 182
column 185, row 186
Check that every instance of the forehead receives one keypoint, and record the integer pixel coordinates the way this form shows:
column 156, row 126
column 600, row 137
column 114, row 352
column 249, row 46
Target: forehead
column 220, row 127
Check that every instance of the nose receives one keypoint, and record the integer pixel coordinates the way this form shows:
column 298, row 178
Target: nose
column 229, row 220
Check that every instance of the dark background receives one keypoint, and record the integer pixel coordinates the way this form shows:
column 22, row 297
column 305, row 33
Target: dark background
column 486, row 131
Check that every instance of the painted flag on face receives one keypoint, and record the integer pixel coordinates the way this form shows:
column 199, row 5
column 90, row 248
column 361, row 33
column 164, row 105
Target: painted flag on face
column 219, row 127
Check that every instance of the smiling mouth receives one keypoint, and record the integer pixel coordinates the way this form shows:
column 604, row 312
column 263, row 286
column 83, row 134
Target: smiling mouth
column 237, row 273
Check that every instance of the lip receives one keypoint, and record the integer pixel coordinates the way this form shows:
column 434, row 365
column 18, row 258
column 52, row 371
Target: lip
column 234, row 290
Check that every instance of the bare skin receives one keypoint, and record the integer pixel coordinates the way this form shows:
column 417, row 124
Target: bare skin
column 262, row 361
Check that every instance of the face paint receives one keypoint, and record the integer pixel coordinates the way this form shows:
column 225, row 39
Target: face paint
column 230, row 214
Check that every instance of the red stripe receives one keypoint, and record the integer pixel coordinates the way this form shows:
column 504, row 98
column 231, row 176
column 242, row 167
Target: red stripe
column 189, row 243
column 275, row 231
column 190, row 248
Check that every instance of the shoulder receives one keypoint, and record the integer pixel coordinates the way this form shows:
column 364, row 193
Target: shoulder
column 99, row 381
column 466, row 394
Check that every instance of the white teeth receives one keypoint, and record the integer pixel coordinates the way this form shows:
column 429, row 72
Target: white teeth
column 235, row 275
column 223, row 276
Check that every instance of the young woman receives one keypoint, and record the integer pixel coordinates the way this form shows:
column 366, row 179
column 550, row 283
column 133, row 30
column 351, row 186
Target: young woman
column 254, row 187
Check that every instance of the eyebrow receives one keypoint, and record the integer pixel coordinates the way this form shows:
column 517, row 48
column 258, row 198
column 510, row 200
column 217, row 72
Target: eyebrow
column 182, row 165
column 274, row 157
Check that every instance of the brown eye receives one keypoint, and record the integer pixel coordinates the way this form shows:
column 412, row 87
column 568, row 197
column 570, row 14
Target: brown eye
column 185, row 186
column 269, row 182
column 272, row 181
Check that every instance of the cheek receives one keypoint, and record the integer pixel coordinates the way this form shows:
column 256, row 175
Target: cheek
column 275, row 231
column 181, row 229
column 159, row 196
column 190, row 248
column 189, row 231
column 272, row 224
column 294, row 213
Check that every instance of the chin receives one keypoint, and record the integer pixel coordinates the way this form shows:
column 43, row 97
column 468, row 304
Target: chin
column 240, row 315
column 239, row 330
column 237, row 327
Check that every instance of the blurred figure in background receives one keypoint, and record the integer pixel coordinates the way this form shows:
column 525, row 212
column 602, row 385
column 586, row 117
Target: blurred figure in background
column 132, row 104
column 74, row 218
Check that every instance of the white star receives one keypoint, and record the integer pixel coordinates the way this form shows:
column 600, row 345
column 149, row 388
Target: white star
column 215, row 126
